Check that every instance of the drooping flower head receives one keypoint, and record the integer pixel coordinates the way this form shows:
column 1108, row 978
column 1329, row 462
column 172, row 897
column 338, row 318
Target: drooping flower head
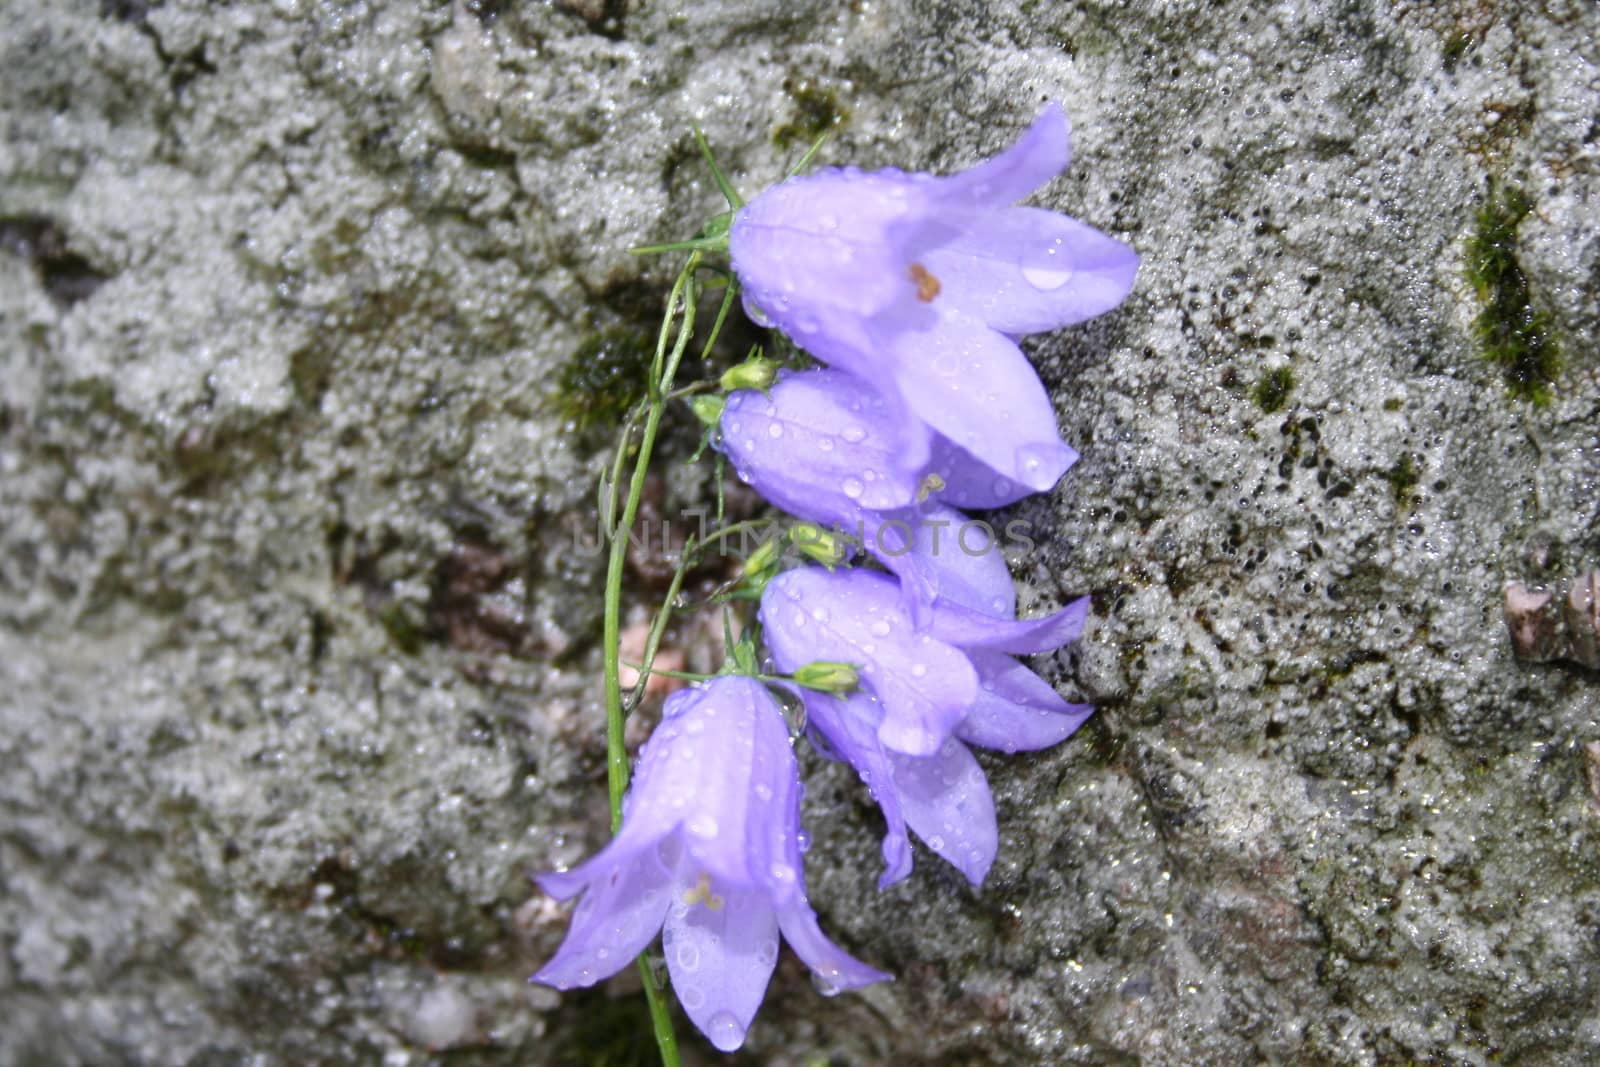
column 918, row 285
column 709, row 854
column 924, row 693
column 824, row 446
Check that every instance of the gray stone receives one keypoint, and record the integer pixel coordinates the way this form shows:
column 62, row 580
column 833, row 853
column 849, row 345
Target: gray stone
column 300, row 655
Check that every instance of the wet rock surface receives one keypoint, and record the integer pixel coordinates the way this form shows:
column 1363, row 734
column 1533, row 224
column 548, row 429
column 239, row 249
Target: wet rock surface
column 298, row 634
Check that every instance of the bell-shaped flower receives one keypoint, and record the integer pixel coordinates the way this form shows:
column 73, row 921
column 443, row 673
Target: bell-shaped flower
column 825, row 446
column 934, row 786
column 926, row 681
column 919, row 284
column 709, row 854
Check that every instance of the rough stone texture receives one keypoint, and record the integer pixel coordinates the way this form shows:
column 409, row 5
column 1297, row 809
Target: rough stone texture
column 299, row 662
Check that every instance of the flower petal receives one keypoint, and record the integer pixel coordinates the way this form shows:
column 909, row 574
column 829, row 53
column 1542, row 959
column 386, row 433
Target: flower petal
column 924, row 684
column 835, row 969
column 976, row 387
column 1016, row 710
column 1026, row 270
column 823, row 445
column 737, row 747
column 721, row 960
column 849, row 725
column 617, row 918
column 816, row 254
column 968, row 629
column 1042, row 152
column 971, row 483
column 948, row 803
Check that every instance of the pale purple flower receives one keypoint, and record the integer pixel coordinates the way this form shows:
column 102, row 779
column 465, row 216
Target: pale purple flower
column 709, row 854
column 826, row 447
column 926, row 681
column 919, row 284
column 936, row 789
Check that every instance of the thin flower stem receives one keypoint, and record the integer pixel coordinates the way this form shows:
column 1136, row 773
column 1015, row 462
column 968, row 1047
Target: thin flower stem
column 659, row 626
column 681, row 302
column 660, row 1017
column 694, row 676
column 681, row 307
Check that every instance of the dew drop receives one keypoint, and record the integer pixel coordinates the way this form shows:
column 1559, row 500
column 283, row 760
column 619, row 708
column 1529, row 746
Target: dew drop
column 824, row 984
column 853, row 488
column 802, row 841
column 936, row 843
column 918, row 670
column 767, row 951
column 725, row 1031
column 763, row 791
column 691, row 996
column 826, row 444
column 703, row 826
column 880, row 628
column 688, row 957
column 853, row 435
column 775, row 430
column 781, row 872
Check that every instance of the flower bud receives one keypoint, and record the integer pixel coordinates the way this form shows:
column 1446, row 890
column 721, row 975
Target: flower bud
column 817, row 543
column 708, row 409
column 760, row 564
column 757, row 372
column 828, row 677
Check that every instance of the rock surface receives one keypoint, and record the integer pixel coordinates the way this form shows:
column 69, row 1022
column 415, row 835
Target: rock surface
column 299, row 645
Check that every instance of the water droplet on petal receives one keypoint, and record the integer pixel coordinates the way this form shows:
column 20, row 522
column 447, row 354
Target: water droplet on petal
column 1046, row 279
column 824, row 984
column 782, row 872
column 725, row 1031
column 853, row 434
column 880, row 628
column 703, row 826
column 767, row 951
column 802, row 840
column 775, row 430
column 936, row 842
column 690, row 996
column 853, row 488
column 688, row 957
column 918, row 670
column 1001, row 486
column 826, row 444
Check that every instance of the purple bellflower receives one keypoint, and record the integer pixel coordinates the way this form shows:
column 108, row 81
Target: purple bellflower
column 926, row 681
column 923, row 695
column 709, row 854
column 824, row 446
column 918, row 284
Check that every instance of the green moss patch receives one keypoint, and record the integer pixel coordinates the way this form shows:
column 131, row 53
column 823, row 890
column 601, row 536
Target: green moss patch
column 1272, row 391
column 1513, row 334
column 816, row 111
column 605, row 376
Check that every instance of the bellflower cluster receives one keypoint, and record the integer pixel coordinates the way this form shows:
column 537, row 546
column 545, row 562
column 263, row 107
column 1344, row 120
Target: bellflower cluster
column 912, row 289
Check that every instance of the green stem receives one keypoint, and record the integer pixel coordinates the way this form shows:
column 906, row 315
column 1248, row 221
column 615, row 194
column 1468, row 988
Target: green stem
column 681, row 305
column 680, row 302
column 652, row 643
